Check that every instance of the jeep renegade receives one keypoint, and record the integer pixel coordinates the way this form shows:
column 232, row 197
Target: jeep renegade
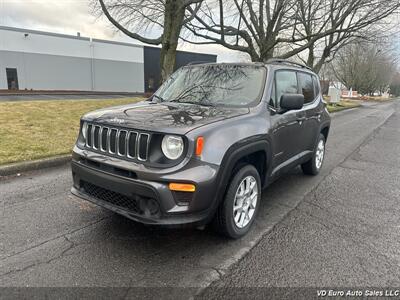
column 204, row 146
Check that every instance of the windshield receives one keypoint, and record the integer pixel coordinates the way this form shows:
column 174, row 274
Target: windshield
column 214, row 85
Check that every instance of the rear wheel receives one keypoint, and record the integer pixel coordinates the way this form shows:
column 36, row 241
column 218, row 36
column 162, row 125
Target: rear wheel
column 314, row 165
column 237, row 212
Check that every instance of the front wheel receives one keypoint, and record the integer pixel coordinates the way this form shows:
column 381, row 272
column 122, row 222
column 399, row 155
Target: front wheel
column 237, row 212
column 314, row 165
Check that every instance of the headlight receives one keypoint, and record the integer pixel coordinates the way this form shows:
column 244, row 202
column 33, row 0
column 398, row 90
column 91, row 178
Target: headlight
column 172, row 146
column 84, row 130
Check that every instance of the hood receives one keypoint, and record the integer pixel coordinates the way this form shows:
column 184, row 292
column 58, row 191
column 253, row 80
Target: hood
column 177, row 118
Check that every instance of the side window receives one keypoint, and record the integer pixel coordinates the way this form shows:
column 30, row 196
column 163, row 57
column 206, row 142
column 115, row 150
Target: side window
column 316, row 86
column 286, row 83
column 307, row 87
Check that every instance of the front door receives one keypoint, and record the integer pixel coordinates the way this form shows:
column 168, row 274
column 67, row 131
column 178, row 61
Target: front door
column 285, row 127
column 12, row 78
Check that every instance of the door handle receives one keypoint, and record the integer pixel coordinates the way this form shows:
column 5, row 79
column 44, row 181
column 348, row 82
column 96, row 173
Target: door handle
column 301, row 119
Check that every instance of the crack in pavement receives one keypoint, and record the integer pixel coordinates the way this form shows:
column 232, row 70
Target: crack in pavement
column 61, row 255
column 53, row 239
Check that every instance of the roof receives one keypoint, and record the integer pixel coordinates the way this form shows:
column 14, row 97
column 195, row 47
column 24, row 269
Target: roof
column 227, row 64
column 68, row 36
column 23, row 30
column 278, row 62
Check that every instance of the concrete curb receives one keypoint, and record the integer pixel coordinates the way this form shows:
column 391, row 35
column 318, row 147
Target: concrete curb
column 21, row 167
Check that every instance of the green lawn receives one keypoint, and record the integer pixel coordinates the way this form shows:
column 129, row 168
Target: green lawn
column 342, row 105
column 36, row 129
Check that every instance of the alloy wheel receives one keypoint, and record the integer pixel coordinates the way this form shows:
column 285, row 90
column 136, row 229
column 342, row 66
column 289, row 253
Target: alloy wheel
column 245, row 202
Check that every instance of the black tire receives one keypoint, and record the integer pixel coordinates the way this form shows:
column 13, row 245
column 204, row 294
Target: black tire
column 311, row 167
column 224, row 219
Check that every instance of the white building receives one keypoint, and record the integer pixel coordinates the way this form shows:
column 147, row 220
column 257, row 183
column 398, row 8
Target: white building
column 37, row 60
column 46, row 61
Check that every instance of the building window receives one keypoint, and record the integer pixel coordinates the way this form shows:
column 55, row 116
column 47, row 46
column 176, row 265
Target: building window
column 12, row 78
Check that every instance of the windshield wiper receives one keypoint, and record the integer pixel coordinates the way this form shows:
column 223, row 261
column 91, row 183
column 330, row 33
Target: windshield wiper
column 194, row 103
column 206, row 104
column 160, row 99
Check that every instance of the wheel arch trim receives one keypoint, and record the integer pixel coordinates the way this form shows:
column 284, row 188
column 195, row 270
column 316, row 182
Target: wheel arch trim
column 233, row 155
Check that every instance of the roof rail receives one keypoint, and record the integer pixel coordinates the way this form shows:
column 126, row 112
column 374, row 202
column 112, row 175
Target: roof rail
column 199, row 62
column 286, row 62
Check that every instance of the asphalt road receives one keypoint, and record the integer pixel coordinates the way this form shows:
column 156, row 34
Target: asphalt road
column 340, row 227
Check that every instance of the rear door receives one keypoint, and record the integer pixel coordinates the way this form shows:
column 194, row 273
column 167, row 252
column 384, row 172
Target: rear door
column 285, row 127
column 311, row 112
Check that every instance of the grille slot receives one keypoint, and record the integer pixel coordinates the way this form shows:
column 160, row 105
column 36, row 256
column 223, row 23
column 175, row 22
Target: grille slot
column 111, row 197
column 89, row 136
column 132, row 141
column 120, row 142
column 112, row 141
column 96, row 137
column 104, row 135
column 143, row 146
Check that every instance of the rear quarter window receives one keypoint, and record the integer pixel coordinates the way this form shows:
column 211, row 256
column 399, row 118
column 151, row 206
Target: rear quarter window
column 316, row 86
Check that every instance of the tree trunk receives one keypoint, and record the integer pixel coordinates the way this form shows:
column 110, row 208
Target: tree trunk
column 321, row 62
column 267, row 51
column 174, row 16
column 311, row 57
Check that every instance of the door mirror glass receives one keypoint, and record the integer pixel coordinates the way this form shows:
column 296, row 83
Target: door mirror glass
column 292, row 101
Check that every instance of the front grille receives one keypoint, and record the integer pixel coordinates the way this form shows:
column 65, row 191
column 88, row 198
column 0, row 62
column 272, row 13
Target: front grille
column 120, row 142
column 117, row 199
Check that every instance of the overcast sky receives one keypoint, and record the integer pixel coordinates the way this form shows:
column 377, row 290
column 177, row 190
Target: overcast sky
column 72, row 16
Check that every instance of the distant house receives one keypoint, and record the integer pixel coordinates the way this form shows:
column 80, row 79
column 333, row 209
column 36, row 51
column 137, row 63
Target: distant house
column 349, row 94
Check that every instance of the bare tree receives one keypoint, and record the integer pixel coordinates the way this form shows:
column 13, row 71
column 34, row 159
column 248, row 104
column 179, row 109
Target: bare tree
column 345, row 22
column 286, row 28
column 155, row 22
column 364, row 67
column 249, row 26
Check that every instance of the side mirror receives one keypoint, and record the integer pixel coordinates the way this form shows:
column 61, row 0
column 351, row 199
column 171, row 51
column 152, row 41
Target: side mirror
column 292, row 101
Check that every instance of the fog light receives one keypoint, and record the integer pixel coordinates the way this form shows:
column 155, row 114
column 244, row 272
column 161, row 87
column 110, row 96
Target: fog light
column 153, row 207
column 148, row 207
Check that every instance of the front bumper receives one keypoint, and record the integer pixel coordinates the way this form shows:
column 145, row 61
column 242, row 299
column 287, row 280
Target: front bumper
column 143, row 200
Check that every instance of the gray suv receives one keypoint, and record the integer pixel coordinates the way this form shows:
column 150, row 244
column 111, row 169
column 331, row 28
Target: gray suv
column 204, row 146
